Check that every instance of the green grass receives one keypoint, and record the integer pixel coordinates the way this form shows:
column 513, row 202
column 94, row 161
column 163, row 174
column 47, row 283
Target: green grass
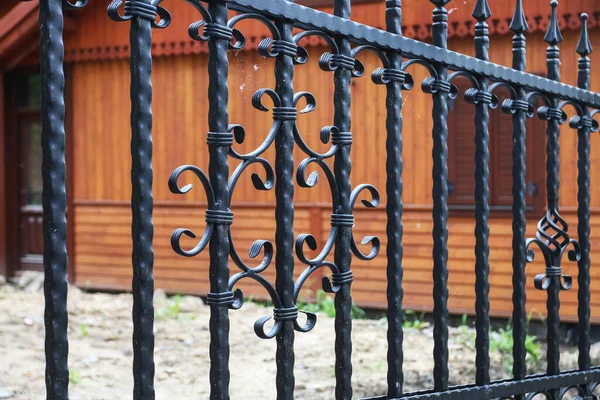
column 170, row 310
column 325, row 303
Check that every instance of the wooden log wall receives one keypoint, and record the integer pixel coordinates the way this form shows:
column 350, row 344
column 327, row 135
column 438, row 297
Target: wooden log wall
column 102, row 187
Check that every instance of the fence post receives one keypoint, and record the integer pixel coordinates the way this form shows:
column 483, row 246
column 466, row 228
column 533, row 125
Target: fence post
column 342, row 167
column 584, row 49
column 54, row 198
column 519, row 133
column 394, row 209
column 440, row 203
column 284, row 215
column 482, row 197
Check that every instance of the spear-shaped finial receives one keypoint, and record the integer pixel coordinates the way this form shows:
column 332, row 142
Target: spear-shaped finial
column 482, row 10
column 519, row 23
column 584, row 46
column 553, row 35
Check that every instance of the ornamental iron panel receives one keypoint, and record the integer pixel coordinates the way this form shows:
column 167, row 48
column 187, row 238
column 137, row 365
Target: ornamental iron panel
column 346, row 41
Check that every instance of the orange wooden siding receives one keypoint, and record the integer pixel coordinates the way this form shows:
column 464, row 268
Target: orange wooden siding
column 102, row 187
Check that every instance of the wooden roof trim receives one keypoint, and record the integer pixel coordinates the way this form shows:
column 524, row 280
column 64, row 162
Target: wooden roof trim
column 16, row 15
column 419, row 32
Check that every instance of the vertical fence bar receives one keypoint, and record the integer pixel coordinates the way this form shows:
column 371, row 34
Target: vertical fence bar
column 584, row 49
column 482, row 197
column 553, row 38
column 54, row 198
column 284, row 216
column 142, row 15
column 394, row 210
column 218, row 171
column 342, row 167
column 519, row 223
column 142, row 228
column 440, row 204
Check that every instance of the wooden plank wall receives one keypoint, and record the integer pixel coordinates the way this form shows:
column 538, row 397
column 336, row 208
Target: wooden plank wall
column 101, row 173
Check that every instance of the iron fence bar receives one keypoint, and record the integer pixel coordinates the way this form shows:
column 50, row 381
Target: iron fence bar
column 54, row 198
column 553, row 38
column 284, row 215
column 365, row 34
column 584, row 48
column 440, row 204
column 142, row 229
column 342, row 253
column 220, row 295
column 519, row 170
column 394, row 210
column 506, row 389
column 482, row 197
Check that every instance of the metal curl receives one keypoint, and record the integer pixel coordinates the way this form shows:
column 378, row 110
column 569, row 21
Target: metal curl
column 311, row 242
column 194, row 28
column 178, row 233
column 164, row 16
column 113, row 11
column 114, row 14
column 312, row 179
column 373, row 240
column 375, row 50
column 511, row 89
column 546, row 394
column 240, row 40
column 259, row 246
column 311, row 102
column 176, row 240
column 67, row 4
column 302, row 54
column 259, row 325
column 531, row 96
column 465, row 74
column 174, row 185
column 311, row 318
column 328, row 39
column 565, row 390
column 428, row 66
column 577, row 107
column 326, row 132
column 258, row 95
column 259, row 184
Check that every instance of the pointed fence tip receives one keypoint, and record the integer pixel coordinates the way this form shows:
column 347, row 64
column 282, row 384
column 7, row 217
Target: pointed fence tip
column 553, row 35
column 584, row 46
column 519, row 23
column 482, row 11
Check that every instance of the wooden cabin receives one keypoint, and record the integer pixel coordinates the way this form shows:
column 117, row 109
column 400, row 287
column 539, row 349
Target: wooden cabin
column 99, row 162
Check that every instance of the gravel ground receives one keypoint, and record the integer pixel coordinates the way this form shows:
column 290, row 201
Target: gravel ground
column 100, row 351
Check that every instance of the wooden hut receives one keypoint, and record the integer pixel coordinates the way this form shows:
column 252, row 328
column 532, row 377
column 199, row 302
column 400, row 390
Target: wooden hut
column 96, row 52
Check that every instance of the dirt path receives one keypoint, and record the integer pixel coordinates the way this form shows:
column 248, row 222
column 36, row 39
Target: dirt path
column 100, row 351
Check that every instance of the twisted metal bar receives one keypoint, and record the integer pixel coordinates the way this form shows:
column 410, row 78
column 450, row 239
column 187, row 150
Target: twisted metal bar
column 394, row 210
column 584, row 49
column 552, row 237
column 482, row 100
column 142, row 14
column 519, row 108
column 218, row 171
column 54, row 199
column 440, row 204
column 342, row 253
column 284, row 212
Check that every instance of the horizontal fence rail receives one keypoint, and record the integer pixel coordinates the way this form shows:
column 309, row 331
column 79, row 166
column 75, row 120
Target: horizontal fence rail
column 288, row 25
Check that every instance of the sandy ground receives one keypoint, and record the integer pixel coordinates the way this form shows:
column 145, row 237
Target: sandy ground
column 100, row 351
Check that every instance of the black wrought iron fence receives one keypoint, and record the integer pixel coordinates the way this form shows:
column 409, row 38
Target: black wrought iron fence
column 346, row 40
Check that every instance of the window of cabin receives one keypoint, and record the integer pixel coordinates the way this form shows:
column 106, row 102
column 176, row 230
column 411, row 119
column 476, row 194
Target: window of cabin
column 461, row 157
